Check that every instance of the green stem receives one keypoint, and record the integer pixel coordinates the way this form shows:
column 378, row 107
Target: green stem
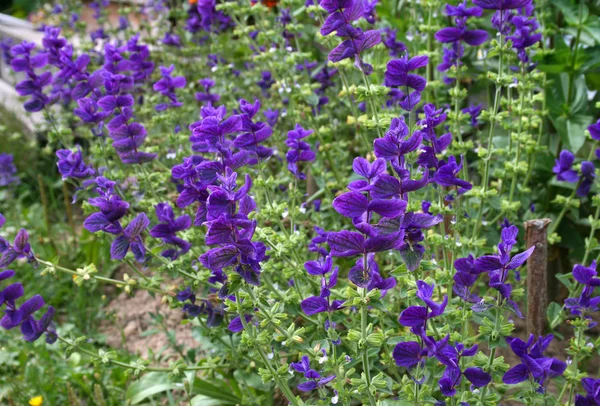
column 129, row 366
column 490, row 146
column 364, row 321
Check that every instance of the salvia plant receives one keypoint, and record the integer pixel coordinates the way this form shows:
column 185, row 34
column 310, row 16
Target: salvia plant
column 332, row 193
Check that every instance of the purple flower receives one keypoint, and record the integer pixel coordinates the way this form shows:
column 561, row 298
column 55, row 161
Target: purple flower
column 8, row 170
column 167, row 229
column 167, row 85
column 394, row 47
column 524, row 35
column 265, row 82
column 395, row 144
column 71, row 165
column 112, row 208
column 592, row 387
column 253, row 133
column 474, row 112
column 22, row 315
column 207, row 97
column 501, row 4
column 299, row 151
column 19, row 249
column 209, row 135
column 499, row 265
column 398, row 74
column 588, row 174
column 272, row 116
column 352, row 48
column 314, row 379
column 447, row 173
column 33, row 84
column 171, row 39
column 455, row 36
column 465, row 277
column 588, row 277
column 226, row 211
column 533, row 363
column 417, row 316
column 563, row 167
column 131, row 239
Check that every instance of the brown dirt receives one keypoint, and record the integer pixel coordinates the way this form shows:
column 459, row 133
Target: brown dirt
column 131, row 319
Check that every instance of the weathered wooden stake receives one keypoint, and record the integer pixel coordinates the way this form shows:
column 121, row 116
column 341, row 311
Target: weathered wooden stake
column 537, row 278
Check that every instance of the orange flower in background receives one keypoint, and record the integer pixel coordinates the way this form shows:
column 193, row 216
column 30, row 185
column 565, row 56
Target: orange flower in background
column 193, row 1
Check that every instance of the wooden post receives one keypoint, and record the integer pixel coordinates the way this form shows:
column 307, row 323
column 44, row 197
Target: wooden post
column 537, row 277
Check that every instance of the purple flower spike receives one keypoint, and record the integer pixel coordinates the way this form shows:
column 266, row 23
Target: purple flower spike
column 7, row 170
column 398, row 74
column 300, row 151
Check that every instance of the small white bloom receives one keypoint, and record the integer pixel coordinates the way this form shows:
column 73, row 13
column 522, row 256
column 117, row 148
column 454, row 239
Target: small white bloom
column 335, row 399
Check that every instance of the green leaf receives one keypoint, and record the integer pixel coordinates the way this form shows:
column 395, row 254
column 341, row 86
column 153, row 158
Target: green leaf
column 202, row 400
column 565, row 280
column 151, row 384
column 210, row 390
column 572, row 131
column 554, row 314
column 571, row 11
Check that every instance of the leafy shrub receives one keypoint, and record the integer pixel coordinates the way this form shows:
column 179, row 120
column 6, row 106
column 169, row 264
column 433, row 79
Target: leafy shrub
column 342, row 223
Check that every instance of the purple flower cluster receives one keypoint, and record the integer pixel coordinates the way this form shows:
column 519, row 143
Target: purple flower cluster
column 592, row 387
column 207, row 97
column 229, row 228
column 413, row 353
column 168, row 228
column 398, row 75
column 33, row 85
column 71, row 165
column 167, row 85
column 23, row 315
column 8, row 170
column 341, row 15
column 564, row 171
column 455, row 36
column 299, row 150
column 314, row 379
column 19, row 249
column 497, row 266
column 534, row 365
column 524, row 35
column 214, row 311
column 586, row 302
column 223, row 206
column 112, row 210
column 253, row 133
column 322, row 303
